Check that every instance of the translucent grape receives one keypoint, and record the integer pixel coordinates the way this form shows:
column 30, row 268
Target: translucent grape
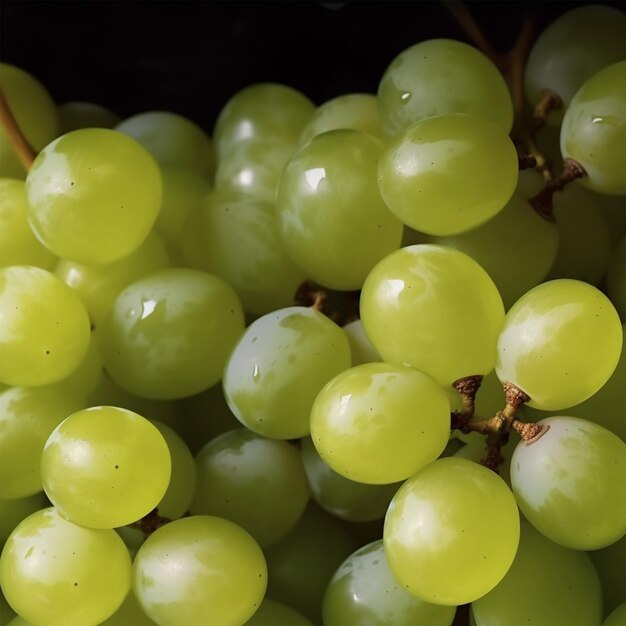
column 104, row 467
column 77, row 115
column 434, row 308
column 13, row 511
column 435, row 532
column 571, row 483
column 610, row 563
column 560, row 343
column 447, row 174
column 272, row 613
column 199, row 571
column 441, row 76
column 56, row 572
column 129, row 614
column 278, row 367
column 360, row 346
column 593, row 132
column 617, row 617
column 93, row 195
column 169, row 334
column 45, row 333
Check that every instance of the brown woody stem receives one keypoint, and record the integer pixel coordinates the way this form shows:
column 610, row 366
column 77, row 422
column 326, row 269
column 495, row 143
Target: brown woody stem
column 150, row 522
column 24, row 151
column 467, row 388
column 549, row 101
column 542, row 202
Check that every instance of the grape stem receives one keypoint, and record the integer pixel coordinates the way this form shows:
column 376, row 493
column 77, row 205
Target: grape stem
column 549, row 101
column 339, row 306
column 542, row 202
column 24, row 151
column 150, row 522
column 467, row 388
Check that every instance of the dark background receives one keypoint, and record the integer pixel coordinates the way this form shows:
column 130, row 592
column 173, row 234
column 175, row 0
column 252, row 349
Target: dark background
column 189, row 57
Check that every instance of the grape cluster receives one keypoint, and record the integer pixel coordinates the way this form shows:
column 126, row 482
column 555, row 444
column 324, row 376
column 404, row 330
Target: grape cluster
column 185, row 441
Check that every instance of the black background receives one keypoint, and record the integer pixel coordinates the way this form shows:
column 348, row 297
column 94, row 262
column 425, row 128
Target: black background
column 189, row 57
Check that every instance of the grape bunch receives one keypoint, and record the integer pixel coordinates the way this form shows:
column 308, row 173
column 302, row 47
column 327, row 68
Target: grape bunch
column 353, row 364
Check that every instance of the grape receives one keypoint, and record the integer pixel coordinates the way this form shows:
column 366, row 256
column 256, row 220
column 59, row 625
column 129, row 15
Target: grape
column 617, row 617
column 359, row 111
column 170, row 333
column 441, row 76
column 255, row 482
column 172, row 139
column 575, row 46
column 593, row 132
column 272, row 613
column 35, row 114
column 380, row 423
column 129, row 614
column 332, row 220
column 44, row 334
column 279, row 366
column 56, row 572
column 616, row 278
column 13, row 511
column 199, row 571
column 236, row 237
column 363, row 591
column 93, row 195
column 560, row 343
column 77, row 115
column 360, row 346
column 18, row 244
column 434, row 533
column 610, row 563
column 571, row 483
column 104, row 467
column 562, row 583
column 99, row 285
column 433, row 308
column 476, row 450
column 340, row 496
column 448, row 174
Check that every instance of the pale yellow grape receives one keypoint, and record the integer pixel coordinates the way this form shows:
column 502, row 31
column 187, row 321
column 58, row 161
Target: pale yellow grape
column 200, row 571
column 76, row 114
column 435, row 309
column 93, row 195
column 129, row 614
column 35, row 114
column 447, row 174
column 441, row 76
column 56, row 572
column 560, row 343
column 272, row 613
column 13, row 511
column 571, row 483
column 18, row 244
column 435, row 529
column 44, row 327
column 360, row 346
column 105, row 467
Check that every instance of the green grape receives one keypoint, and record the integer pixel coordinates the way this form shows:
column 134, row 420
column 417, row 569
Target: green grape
column 359, row 111
column 617, row 617
column 129, row 614
column 546, row 584
column 254, row 167
column 332, row 218
column 172, row 139
column 340, row 496
column 476, row 450
column 301, row 565
column 610, row 563
column 570, row 483
column 514, row 265
column 169, row 334
column 35, row 115
column 262, row 111
column 44, row 334
column 199, row 571
column 575, row 46
column 272, row 613
column 77, row 115
column 441, row 76
column 104, row 467
column 56, row 572
column 255, row 482
column 183, row 192
column 614, row 210
column 363, row 591
column 584, row 239
column 616, row 278
column 13, row 511
column 99, row 285
column 18, row 244
column 380, row 423
column 93, row 195
column 447, row 174
column 182, row 484
column 236, row 238
column 361, row 348
column 593, row 132
column 560, row 343
column 278, row 367
column 433, row 308
column 434, row 535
